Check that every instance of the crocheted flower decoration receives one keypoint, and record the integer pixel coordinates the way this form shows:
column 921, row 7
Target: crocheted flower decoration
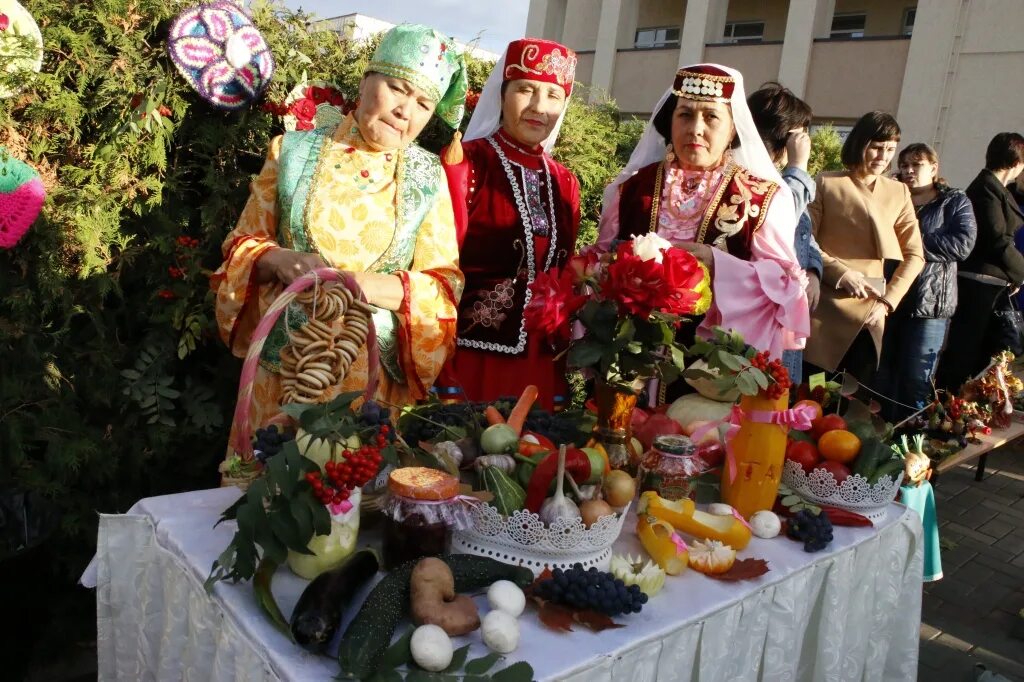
column 221, row 54
column 21, row 198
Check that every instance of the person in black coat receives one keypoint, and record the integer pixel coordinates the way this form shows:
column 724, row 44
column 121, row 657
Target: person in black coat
column 916, row 331
column 992, row 273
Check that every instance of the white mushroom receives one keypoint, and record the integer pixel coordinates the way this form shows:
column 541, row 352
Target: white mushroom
column 765, row 524
column 431, row 648
column 505, row 595
column 500, row 632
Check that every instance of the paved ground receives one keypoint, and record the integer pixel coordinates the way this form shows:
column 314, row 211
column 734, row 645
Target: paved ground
column 970, row 617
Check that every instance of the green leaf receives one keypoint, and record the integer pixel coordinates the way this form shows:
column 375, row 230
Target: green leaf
column 281, row 476
column 458, row 658
column 131, row 374
column 730, row 361
column 399, row 653
column 678, row 356
column 479, row 666
column 517, row 672
column 759, row 377
column 584, row 354
column 746, row 384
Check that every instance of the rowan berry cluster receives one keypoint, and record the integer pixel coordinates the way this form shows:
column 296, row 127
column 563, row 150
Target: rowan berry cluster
column 776, row 372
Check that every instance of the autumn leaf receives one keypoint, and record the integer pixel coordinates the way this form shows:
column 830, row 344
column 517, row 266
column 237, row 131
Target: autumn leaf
column 743, row 569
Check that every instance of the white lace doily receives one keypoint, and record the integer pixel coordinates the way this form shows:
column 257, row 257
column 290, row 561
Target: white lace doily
column 854, row 494
column 524, row 540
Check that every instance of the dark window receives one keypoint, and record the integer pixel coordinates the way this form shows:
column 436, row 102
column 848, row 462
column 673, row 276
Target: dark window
column 744, row 32
column 908, row 21
column 848, row 25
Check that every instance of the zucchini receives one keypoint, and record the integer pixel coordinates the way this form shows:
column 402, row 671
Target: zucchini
column 369, row 634
column 317, row 615
column 261, row 582
column 890, row 468
column 509, row 496
column 873, row 453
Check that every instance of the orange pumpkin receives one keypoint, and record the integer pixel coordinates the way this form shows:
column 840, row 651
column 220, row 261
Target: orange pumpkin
column 839, row 446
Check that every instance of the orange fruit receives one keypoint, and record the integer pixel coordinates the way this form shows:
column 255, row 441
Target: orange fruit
column 813, row 404
column 839, row 445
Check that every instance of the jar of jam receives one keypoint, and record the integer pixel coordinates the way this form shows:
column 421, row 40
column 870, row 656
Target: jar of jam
column 671, row 466
column 421, row 509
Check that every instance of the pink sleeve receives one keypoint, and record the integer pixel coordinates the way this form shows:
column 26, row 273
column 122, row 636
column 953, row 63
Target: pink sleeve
column 764, row 299
column 608, row 227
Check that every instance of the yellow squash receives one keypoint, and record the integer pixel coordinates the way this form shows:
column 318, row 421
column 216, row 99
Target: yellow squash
column 684, row 516
column 656, row 538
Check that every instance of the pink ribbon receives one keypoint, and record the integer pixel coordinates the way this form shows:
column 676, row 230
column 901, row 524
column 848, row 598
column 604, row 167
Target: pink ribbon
column 343, row 507
column 742, row 520
column 680, row 544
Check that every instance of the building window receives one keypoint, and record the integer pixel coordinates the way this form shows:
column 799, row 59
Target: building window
column 848, row 25
column 744, row 32
column 908, row 21
column 657, row 37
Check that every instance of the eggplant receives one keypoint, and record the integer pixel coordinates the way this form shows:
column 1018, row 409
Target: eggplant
column 317, row 615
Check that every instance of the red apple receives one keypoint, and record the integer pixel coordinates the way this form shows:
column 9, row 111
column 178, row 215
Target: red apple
column 829, row 422
column 839, row 471
column 803, row 453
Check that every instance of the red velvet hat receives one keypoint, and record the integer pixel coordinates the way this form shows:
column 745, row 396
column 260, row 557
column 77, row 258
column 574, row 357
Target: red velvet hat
column 540, row 60
column 704, row 83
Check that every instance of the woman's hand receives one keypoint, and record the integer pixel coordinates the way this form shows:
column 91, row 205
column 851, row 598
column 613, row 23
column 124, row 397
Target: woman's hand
column 704, row 253
column 813, row 290
column 876, row 316
column 285, row 265
column 857, row 285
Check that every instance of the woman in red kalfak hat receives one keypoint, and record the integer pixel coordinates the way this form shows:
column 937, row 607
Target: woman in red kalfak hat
column 517, row 211
column 702, row 179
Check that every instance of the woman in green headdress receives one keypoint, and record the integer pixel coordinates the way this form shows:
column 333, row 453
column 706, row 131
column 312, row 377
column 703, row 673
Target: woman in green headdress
column 362, row 198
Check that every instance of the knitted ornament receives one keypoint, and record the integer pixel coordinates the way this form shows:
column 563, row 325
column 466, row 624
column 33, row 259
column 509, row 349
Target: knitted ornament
column 221, row 54
column 21, row 198
column 21, row 43
column 316, row 104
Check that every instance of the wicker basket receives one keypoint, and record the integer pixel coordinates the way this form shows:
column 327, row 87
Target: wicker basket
column 314, row 281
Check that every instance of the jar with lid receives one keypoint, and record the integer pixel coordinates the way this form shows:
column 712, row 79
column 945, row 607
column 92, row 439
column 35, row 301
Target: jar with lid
column 422, row 508
column 671, row 467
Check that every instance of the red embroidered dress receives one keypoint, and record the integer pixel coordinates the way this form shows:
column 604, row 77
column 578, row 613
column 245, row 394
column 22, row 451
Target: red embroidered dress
column 517, row 213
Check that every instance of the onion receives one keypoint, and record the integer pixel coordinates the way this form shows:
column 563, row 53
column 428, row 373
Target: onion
column 499, row 439
column 592, row 510
column 619, row 488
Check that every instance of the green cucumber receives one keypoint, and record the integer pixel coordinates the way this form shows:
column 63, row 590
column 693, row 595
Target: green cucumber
column 509, row 496
column 873, row 453
column 890, row 468
column 369, row 634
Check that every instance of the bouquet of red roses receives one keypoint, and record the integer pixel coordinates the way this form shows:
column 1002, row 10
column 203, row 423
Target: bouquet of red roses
column 628, row 302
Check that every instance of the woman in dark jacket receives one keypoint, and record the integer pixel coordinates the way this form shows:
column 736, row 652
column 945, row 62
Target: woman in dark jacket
column 915, row 332
column 993, row 272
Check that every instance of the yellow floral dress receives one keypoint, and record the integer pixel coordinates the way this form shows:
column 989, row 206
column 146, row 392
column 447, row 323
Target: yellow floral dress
column 353, row 217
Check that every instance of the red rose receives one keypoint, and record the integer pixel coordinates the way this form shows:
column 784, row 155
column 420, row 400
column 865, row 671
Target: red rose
column 583, row 266
column 637, row 285
column 682, row 274
column 553, row 302
column 335, row 98
column 303, row 125
column 303, row 109
column 318, row 94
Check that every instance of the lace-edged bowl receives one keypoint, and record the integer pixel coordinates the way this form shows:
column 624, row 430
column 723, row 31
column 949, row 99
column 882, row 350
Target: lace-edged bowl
column 855, row 494
column 524, row 540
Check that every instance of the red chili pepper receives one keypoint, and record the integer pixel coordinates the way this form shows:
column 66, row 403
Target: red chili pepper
column 577, row 465
column 842, row 517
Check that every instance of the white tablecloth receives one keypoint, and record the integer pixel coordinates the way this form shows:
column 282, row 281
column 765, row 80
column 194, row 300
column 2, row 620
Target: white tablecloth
column 851, row 612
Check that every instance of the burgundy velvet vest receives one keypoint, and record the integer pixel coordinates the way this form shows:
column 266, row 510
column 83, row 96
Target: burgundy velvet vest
column 500, row 257
column 732, row 217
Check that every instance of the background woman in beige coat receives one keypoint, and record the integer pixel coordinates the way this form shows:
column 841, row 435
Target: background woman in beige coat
column 861, row 219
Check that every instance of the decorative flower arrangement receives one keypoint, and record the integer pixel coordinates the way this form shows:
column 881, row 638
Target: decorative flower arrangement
column 306, row 478
column 311, row 105
column 629, row 303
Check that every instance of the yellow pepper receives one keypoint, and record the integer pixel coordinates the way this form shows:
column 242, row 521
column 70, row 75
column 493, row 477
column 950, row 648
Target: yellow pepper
column 684, row 516
column 657, row 539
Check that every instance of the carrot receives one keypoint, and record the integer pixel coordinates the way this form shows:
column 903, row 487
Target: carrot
column 527, row 448
column 517, row 417
column 493, row 416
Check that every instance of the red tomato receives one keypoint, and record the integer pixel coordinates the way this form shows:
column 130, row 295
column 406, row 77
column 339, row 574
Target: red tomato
column 839, row 471
column 803, row 453
column 829, row 422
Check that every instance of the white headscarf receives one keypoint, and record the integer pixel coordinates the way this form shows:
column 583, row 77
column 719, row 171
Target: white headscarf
column 486, row 117
column 751, row 153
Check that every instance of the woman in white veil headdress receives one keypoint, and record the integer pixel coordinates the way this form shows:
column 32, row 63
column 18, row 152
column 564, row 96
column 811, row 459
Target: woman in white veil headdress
column 702, row 179
column 517, row 212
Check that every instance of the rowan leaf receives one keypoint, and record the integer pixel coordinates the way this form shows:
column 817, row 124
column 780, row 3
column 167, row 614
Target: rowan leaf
column 743, row 569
